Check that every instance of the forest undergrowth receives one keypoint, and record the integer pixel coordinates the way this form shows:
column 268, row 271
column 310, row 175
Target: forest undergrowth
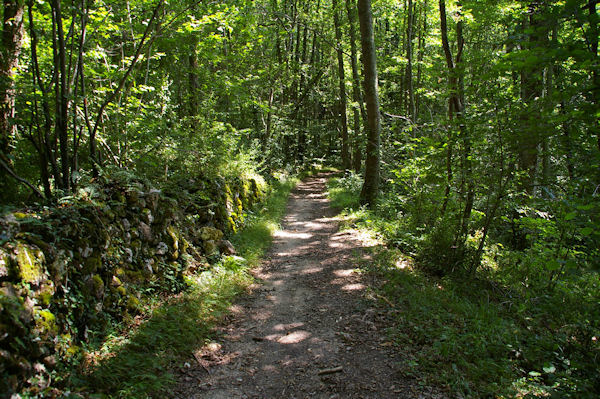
column 498, row 332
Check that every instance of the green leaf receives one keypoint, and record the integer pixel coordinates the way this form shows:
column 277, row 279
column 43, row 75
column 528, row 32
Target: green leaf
column 586, row 207
column 549, row 368
column 586, row 231
column 570, row 215
column 553, row 265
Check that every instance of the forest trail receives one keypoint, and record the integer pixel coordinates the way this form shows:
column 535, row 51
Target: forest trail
column 306, row 331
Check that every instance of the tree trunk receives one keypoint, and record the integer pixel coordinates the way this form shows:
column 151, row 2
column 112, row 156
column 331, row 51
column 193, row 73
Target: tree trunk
column 62, row 100
column 269, row 122
column 303, row 125
column 10, row 48
column 531, row 90
column 595, row 92
column 342, row 85
column 409, row 65
column 370, row 187
column 422, row 36
column 455, row 111
column 47, row 142
column 194, row 84
column 356, row 93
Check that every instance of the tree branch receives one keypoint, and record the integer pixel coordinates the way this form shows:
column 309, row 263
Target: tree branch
column 123, row 80
column 12, row 173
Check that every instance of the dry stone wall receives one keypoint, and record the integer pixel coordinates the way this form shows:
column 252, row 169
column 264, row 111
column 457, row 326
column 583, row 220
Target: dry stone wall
column 67, row 272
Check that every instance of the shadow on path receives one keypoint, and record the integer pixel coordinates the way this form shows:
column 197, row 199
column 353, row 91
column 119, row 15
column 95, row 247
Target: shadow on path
column 306, row 332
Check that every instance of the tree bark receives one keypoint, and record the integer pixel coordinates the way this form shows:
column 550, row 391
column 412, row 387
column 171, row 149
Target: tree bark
column 531, row 90
column 595, row 75
column 455, row 111
column 346, row 162
column 301, row 145
column 194, row 84
column 10, row 48
column 61, row 92
column 356, row 92
column 370, row 189
column 47, row 142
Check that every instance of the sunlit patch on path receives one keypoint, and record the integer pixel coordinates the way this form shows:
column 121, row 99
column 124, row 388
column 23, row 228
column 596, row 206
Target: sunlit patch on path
column 308, row 331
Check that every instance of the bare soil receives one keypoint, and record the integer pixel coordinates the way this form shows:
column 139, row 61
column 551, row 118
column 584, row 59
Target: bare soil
column 307, row 331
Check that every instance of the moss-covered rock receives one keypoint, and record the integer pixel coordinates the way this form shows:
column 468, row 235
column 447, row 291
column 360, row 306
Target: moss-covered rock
column 210, row 247
column 231, row 224
column 45, row 324
column 45, row 293
column 115, row 282
column 173, row 241
column 95, row 286
column 60, row 266
column 4, row 263
column 145, row 232
column 152, row 199
column 30, row 264
column 133, row 303
column 147, row 216
column 226, row 247
column 92, row 264
column 210, row 234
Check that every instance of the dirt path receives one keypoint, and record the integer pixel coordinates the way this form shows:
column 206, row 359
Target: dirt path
column 307, row 331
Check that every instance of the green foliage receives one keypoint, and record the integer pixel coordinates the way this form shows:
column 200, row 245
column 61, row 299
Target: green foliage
column 521, row 326
column 504, row 190
column 440, row 254
column 344, row 191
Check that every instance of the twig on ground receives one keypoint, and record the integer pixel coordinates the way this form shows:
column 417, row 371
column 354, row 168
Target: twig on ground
column 333, row 370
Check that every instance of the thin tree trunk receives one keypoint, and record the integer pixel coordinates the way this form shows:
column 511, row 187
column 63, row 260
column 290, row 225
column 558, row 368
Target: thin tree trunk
column 47, row 143
column 62, row 99
column 409, row 65
column 194, row 85
column 370, row 187
column 595, row 75
column 356, row 92
column 455, row 110
column 93, row 145
column 451, row 103
column 346, row 162
column 531, row 89
column 18, row 178
column 269, row 122
column 422, row 36
column 303, row 125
